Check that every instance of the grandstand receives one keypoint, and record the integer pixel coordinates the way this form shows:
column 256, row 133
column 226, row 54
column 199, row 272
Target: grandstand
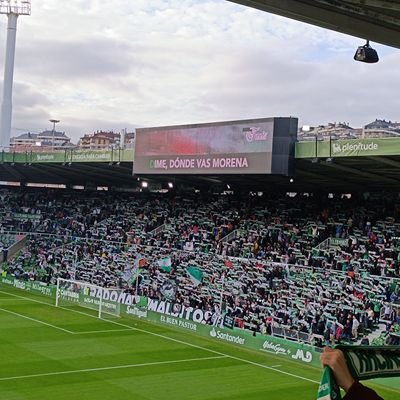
column 278, row 271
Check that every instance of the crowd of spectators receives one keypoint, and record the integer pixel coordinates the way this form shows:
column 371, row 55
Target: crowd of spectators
column 308, row 268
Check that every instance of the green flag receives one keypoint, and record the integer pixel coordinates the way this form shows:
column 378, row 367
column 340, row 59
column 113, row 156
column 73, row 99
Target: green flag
column 328, row 388
column 196, row 275
column 141, row 301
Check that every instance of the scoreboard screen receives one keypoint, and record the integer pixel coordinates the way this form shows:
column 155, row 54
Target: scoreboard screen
column 244, row 147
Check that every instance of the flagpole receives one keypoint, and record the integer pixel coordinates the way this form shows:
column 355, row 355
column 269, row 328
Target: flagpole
column 75, row 261
column 222, row 293
column 137, row 270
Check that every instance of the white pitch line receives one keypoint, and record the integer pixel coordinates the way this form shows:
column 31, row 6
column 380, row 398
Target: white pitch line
column 276, row 366
column 102, row 331
column 36, row 320
column 76, row 371
column 6, row 299
column 176, row 341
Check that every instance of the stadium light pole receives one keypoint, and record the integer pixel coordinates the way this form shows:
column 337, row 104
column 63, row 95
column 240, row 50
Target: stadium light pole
column 11, row 8
column 54, row 122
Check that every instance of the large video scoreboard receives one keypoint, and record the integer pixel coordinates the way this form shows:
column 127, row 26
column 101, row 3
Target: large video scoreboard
column 257, row 146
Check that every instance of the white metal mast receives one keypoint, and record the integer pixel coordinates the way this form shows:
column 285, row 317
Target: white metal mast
column 12, row 8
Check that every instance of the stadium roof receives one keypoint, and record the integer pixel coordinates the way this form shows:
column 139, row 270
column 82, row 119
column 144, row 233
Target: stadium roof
column 376, row 20
column 342, row 174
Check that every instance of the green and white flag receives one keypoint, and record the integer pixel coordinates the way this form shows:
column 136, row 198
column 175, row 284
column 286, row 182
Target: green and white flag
column 168, row 290
column 165, row 264
column 196, row 275
column 129, row 274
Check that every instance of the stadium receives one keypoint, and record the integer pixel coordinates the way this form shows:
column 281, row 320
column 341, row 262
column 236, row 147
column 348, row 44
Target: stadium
column 212, row 261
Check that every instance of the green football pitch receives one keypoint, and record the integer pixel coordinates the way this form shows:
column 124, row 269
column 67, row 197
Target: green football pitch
column 68, row 353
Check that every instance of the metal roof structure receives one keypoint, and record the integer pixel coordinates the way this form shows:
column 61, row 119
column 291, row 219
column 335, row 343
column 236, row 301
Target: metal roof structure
column 376, row 20
column 342, row 174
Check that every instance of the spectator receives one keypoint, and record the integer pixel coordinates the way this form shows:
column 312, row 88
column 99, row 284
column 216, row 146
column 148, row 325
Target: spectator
column 354, row 328
column 347, row 331
column 387, row 311
column 327, row 336
column 370, row 318
column 339, row 332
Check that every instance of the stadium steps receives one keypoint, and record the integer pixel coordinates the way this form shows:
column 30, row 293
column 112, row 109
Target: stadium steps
column 376, row 332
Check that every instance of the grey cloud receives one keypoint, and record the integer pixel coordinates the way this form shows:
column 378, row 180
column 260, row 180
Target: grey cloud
column 30, row 109
column 96, row 58
column 27, row 97
column 185, row 61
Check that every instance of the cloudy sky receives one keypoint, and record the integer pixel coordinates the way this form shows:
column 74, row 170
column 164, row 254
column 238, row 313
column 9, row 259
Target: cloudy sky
column 113, row 64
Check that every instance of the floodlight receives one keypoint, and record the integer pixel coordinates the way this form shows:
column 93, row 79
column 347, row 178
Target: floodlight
column 366, row 54
column 11, row 8
column 18, row 7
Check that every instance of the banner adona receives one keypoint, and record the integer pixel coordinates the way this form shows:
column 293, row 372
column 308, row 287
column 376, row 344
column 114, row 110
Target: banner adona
column 113, row 297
